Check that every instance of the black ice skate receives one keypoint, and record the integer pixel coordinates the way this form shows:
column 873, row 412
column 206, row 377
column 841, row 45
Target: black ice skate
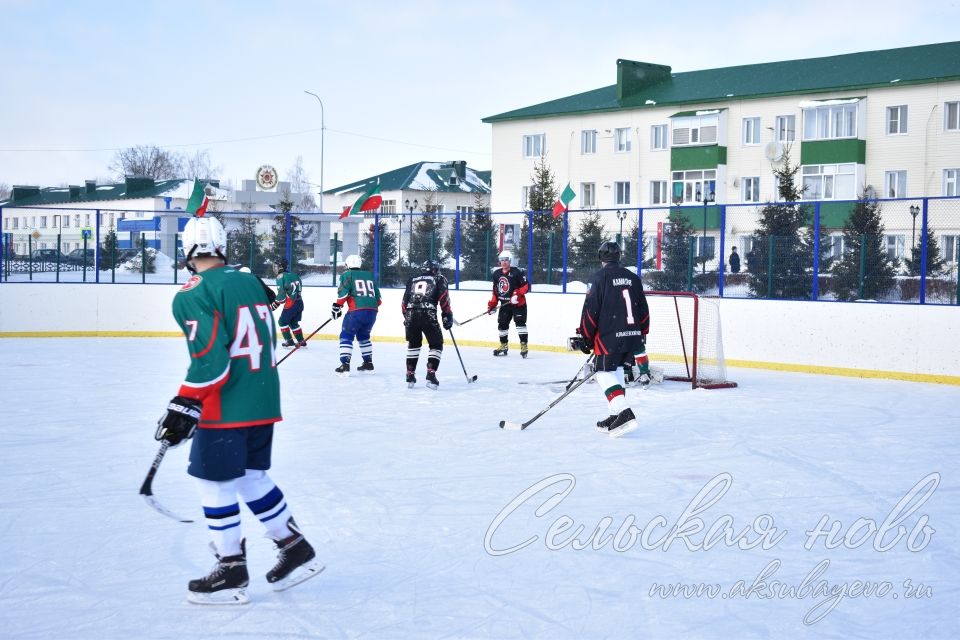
column 502, row 351
column 411, row 379
column 366, row 367
column 288, row 344
column 302, row 344
column 432, row 382
column 296, row 560
column 603, row 426
column 624, row 423
column 523, row 349
column 225, row 584
column 343, row 369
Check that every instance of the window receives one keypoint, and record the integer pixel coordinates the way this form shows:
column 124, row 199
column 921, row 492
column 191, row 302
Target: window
column 33, row 222
column 895, row 244
column 951, row 182
column 66, row 222
column 86, row 218
column 588, row 194
column 835, row 244
column 658, row 137
column 949, row 245
column 706, row 247
column 528, row 192
column 689, row 186
column 433, row 208
column 695, row 129
column 829, row 181
column 588, row 141
column 897, row 120
column 786, row 128
column 622, row 192
column 534, row 146
column 951, row 114
column 388, row 206
column 16, row 223
column 895, row 184
column 658, row 192
column 830, row 121
column 751, row 131
column 43, row 222
column 751, row 189
column 621, row 140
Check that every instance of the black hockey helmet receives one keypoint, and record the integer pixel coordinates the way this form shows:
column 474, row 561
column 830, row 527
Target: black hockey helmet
column 609, row 252
column 282, row 265
column 431, row 266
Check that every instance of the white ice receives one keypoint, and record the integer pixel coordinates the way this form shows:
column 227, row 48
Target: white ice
column 398, row 488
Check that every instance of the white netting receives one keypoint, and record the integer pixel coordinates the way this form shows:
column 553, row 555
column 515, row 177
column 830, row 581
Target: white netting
column 685, row 339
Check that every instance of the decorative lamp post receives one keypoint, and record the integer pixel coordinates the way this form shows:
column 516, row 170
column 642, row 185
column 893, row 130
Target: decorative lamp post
column 322, row 127
column 623, row 216
column 410, row 208
column 914, row 211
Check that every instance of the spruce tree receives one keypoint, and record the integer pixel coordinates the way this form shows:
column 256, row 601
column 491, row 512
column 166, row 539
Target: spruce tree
column 389, row 268
column 543, row 194
column 278, row 234
column 936, row 264
column 478, row 249
column 110, row 251
column 630, row 239
column 864, row 271
column 782, row 252
column 427, row 242
column 583, row 255
column 676, row 254
column 243, row 247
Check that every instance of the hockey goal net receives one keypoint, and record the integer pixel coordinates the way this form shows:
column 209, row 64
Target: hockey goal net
column 685, row 339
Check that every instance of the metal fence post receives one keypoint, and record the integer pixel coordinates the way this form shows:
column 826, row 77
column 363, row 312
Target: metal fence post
column 722, row 267
column 566, row 245
column 815, row 285
column 96, row 247
column 456, row 251
column 923, row 252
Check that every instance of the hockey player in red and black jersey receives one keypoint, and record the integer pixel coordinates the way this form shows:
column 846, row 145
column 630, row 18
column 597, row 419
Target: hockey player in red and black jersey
column 614, row 322
column 424, row 293
column 510, row 288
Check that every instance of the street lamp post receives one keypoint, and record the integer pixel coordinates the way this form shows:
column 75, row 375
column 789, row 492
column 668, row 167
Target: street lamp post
column 399, row 218
column 322, row 127
column 914, row 211
column 623, row 216
column 410, row 208
column 707, row 198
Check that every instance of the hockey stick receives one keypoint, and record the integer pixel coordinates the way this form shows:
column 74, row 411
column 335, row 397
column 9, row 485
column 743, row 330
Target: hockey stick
column 468, row 376
column 146, row 489
column 574, row 379
column 329, row 320
column 515, row 426
column 485, row 313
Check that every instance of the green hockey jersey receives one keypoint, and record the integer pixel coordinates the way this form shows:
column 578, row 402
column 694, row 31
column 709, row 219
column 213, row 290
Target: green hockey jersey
column 226, row 319
column 289, row 288
column 358, row 290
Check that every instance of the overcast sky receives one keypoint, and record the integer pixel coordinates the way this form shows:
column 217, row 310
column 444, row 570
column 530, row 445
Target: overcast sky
column 400, row 81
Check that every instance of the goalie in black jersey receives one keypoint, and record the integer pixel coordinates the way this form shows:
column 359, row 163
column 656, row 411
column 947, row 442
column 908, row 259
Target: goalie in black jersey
column 424, row 293
column 614, row 322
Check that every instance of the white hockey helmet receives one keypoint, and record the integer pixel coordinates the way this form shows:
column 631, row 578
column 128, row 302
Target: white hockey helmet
column 505, row 255
column 204, row 237
column 353, row 261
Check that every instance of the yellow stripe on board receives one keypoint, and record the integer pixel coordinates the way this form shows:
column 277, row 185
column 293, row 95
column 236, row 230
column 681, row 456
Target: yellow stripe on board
column 744, row 364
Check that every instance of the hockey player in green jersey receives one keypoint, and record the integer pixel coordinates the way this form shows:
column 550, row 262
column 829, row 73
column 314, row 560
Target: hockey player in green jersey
column 289, row 290
column 362, row 296
column 228, row 404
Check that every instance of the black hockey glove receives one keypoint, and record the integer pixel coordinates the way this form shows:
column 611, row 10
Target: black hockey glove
column 275, row 304
column 447, row 321
column 179, row 421
column 336, row 311
column 585, row 347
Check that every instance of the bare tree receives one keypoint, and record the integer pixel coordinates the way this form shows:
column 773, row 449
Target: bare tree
column 146, row 161
column 4, row 191
column 299, row 181
column 199, row 165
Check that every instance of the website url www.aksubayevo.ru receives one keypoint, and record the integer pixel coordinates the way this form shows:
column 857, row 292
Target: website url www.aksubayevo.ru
column 826, row 596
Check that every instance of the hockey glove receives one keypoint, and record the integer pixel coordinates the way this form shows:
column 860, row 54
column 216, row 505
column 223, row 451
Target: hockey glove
column 585, row 347
column 447, row 321
column 179, row 421
column 492, row 306
column 336, row 311
column 514, row 299
column 275, row 304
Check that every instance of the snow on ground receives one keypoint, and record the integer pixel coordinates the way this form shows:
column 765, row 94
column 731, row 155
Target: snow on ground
column 412, row 498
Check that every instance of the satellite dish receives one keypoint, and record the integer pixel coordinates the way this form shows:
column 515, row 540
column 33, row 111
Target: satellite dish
column 773, row 151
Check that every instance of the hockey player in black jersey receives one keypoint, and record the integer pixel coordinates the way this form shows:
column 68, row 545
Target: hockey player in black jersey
column 614, row 321
column 424, row 293
column 510, row 287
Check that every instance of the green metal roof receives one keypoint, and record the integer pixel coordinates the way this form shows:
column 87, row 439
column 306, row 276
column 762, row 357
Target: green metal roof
column 67, row 195
column 638, row 87
column 421, row 176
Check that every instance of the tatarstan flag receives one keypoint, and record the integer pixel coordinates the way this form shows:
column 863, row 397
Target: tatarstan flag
column 369, row 201
column 197, row 204
column 564, row 200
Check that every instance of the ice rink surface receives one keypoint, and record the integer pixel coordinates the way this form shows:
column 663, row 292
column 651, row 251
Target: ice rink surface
column 700, row 524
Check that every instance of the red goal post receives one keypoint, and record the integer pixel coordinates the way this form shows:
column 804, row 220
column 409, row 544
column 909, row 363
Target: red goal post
column 686, row 340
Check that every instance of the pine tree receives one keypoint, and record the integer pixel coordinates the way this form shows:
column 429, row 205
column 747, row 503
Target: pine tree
column 427, row 242
column 389, row 268
column 278, row 233
column 590, row 235
column 243, row 246
column 630, row 239
column 936, row 264
column 782, row 246
column 110, row 251
column 145, row 260
column 478, row 251
column 676, row 254
column 864, row 271
column 543, row 194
